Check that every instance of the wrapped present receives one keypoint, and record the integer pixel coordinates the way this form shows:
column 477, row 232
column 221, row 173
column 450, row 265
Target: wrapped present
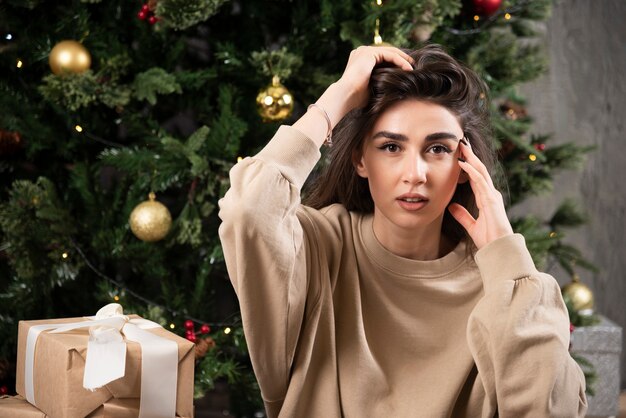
column 601, row 345
column 74, row 367
column 17, row 407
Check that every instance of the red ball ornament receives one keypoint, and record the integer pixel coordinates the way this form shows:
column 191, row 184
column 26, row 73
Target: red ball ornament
column 145, row 8
column 142, row 15
column 205, row 329
column 189, row 324
column 486, row 7
column 153, row 19
column 192, row 338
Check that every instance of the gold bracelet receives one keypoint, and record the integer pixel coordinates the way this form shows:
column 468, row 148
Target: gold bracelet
column 329, row 136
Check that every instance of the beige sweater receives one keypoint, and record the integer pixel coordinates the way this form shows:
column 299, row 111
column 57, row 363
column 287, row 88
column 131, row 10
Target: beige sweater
column 338, row 326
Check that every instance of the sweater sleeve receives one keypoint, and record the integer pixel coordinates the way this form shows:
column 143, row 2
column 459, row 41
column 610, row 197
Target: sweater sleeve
column 265, row 252
column 519, row 337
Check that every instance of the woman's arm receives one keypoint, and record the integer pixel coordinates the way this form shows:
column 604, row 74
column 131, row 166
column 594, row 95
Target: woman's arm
column 265, row 255
column 519, row 337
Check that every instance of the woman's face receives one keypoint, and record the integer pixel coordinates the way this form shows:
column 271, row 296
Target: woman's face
column 410, row 161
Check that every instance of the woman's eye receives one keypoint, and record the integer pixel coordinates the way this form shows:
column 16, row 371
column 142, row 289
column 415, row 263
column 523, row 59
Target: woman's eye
column 439, row 149
column 391, row 147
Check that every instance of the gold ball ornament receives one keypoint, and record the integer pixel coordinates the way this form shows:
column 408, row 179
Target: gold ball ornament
column 150, row 220
column 580, row 295
column 275, row 102
column 69, row 57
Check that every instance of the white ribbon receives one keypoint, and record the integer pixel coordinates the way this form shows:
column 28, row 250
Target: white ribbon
column 106, row 358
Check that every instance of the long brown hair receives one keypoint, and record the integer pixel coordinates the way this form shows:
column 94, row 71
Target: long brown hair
column 437, row 78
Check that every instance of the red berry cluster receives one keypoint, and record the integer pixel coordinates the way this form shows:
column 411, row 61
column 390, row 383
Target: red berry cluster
column 191, row 333
column 540, row 147
column 146, row 13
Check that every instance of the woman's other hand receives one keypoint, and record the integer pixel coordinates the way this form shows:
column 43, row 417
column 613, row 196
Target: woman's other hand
column 492, row 222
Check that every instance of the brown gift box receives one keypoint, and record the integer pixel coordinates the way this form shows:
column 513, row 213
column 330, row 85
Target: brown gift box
column 59, row 365
column 18, row 407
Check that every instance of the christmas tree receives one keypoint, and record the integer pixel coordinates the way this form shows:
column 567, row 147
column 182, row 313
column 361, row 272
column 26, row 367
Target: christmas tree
column 120, row 121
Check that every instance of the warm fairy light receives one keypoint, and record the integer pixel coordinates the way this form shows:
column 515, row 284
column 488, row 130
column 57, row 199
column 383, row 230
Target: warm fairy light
column 377, row 38
column 227, row 330
column 552, row 234
column 78, row 128
column 8, row 37
column 19, row 63
column 64, row 255
column 532, row 157
column 379, row 2
column 507, row 16
column 116, row 298
column 239, row 159
column 476, row 18
column 172, row 326
column 268, row 100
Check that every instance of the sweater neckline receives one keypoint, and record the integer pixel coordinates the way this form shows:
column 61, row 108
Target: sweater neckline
column 407, row 267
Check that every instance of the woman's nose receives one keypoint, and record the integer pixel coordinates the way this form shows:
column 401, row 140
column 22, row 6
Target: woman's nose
column 415, row 169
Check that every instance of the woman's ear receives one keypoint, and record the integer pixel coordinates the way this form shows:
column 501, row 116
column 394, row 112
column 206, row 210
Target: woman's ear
column 463, row 177
column 357, row 162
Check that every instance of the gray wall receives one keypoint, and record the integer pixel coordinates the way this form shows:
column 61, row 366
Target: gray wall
column 582, row 99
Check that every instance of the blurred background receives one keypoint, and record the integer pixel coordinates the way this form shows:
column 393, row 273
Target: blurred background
column 120, row 119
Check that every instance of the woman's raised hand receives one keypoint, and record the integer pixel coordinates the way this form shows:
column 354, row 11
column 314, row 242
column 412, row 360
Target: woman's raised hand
column 350, row 91
column 492, row 222
column 356, row 76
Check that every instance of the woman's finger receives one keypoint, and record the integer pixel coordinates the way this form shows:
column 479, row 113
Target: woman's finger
column 393, row 55
column 473, row 159
column 462, row 216
column 481, row 188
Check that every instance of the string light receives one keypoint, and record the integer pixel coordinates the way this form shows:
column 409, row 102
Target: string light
column 239, row 159
column 8, row 37
column 64, row 255
column 172, row 326
column 532, row 157
column 227, row 330
column 521, row 5
column 147, row 301
column 507, row 16
column 377, row 38
column 116, row 298
column 19, row 63
column 78, row 128
column 552, row 234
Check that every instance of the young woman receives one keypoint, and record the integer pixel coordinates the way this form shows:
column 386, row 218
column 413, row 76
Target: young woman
column 399, row 289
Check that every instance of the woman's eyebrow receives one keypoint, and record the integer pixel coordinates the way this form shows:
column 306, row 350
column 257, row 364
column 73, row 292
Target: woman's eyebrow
column 436, row 136
column 390, row 135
